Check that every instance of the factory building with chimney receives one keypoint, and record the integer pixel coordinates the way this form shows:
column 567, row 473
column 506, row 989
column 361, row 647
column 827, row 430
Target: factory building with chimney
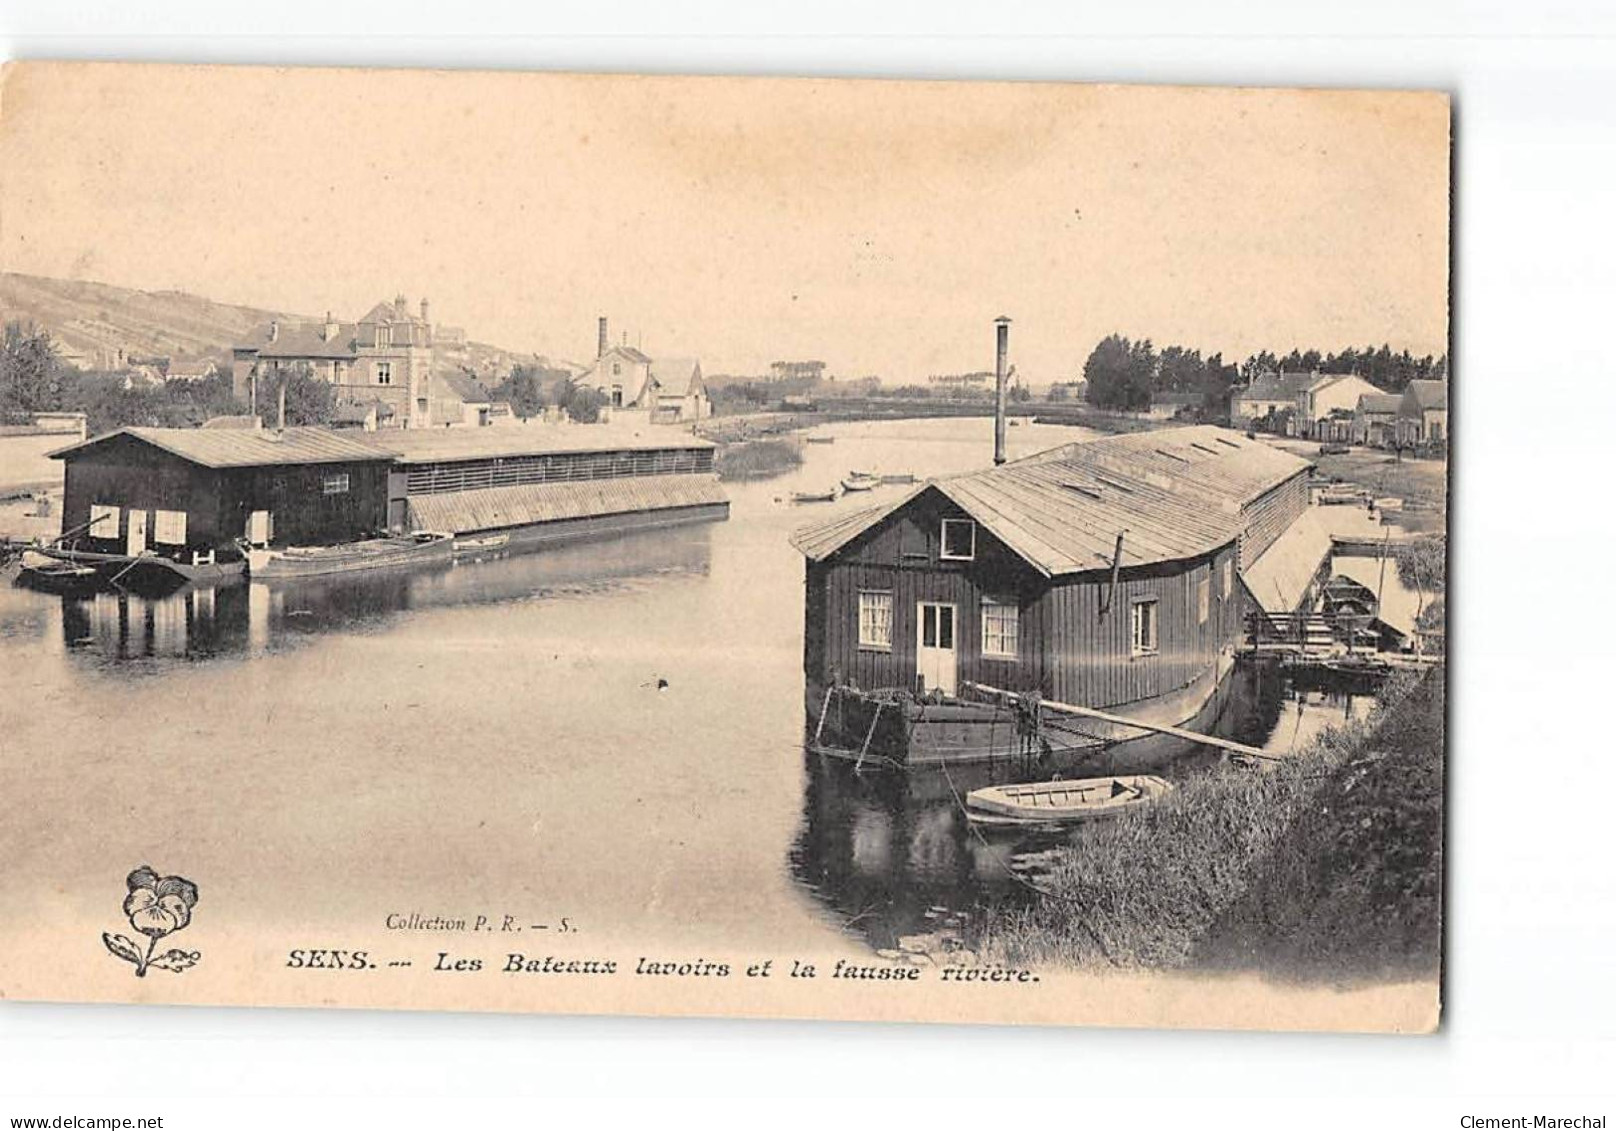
column 666, row 390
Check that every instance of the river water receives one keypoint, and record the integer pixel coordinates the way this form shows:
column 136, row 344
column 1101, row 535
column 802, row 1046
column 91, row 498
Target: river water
column 610, row 732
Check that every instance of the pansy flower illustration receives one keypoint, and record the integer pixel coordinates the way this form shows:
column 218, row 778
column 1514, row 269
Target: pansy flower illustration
column 157, row 906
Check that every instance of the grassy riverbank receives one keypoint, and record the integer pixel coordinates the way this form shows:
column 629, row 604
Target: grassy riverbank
column 1326, row 865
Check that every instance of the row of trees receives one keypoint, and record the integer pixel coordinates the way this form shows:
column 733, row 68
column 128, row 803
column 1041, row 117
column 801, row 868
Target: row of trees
column 530, row 389
column 1125, row 375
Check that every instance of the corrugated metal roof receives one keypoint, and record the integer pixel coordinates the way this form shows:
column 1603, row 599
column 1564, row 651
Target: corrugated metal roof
column 1175, row 492
column 1219, row 464
column 492, row 508
column 1279, row 578
column 233, row 447
column 441, row 445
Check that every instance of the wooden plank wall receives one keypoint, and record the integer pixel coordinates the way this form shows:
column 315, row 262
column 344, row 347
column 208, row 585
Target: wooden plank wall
column 1068, row 650
column 1090, row 655
column 130, row 474
column 1269, row 515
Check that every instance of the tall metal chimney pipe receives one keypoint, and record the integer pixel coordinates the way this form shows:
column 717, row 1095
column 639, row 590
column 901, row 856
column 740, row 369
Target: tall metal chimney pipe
column 1001, row 356
column 600, row 348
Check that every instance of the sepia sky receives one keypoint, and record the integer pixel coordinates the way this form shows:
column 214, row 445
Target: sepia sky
column 879, row 226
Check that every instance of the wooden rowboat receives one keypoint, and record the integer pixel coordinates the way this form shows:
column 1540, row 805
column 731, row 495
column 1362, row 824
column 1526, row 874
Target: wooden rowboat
column 815, row 496
column 859, row 481
column 481, row 543
column 1063, row 802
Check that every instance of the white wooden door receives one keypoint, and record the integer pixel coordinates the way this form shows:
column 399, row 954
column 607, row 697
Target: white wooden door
column 935, row 654
column 137, row 533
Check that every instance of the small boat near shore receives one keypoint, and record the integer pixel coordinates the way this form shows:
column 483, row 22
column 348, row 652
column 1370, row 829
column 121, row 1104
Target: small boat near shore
column 1063, row 802
column 819, row 439
column 861, row 481
column 829, row 496
column 481, row 543
column 900, row 477
column 52, row 575
column 422, row 547
column 152, row 571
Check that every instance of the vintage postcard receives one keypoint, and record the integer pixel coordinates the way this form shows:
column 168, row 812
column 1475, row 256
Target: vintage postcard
column 926, row 551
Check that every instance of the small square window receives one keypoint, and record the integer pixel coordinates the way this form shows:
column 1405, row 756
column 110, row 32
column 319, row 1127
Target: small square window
column 959, row 540
column 875, row 619
column 336, row 484
column 1001, row 628
column 384, row 373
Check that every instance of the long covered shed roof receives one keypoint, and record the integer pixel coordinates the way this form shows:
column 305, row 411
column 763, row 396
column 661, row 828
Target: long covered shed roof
column 1173, row 495
column 242, row 447
column 444, row 445
column 259, row 447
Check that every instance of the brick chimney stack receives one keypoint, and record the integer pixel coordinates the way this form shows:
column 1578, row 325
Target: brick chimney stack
column 426, row 311
column 600, row 349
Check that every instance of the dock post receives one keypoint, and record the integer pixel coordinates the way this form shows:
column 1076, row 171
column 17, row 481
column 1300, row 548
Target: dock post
column 869, row 734
column 824, row 710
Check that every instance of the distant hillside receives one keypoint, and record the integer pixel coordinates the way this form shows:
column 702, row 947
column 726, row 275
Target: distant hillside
column 92, row 322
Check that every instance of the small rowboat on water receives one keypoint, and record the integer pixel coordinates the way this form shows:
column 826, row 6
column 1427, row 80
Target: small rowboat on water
column 1062, row 802
column 481, row 544
column 815, row 496
column 901, row 477
column 860, row 481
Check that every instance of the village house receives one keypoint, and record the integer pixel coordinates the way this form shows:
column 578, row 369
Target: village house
column 1319, row 406
column 1170, row 405
column 386, row 355
column 1374, row 421
column 1422, row 416
column 669, row 391
column 1105, row 574
column 1325, row 406
column 1270, row 397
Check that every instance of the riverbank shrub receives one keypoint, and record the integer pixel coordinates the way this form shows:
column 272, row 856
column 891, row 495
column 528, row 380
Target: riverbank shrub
column 757, row 459
column 1149, row 889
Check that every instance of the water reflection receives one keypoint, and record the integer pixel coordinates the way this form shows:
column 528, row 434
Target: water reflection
column 889, row 853
column 249, row 618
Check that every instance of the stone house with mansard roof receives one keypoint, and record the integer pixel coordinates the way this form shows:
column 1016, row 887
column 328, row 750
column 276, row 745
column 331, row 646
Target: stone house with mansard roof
column 385, row 356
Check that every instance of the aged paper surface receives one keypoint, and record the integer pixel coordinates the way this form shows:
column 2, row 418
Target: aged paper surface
column 538, row 543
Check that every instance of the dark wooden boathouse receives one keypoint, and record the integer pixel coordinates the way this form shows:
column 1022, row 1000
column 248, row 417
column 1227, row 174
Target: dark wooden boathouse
column 176, row 491
column 1012, row 576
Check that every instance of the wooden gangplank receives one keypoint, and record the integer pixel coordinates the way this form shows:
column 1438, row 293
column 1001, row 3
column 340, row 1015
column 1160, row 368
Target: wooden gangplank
column 1120, row 720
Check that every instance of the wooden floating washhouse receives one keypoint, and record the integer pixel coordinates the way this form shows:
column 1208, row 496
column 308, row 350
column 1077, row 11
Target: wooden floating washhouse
column 187, row 502
column 1104, row 574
